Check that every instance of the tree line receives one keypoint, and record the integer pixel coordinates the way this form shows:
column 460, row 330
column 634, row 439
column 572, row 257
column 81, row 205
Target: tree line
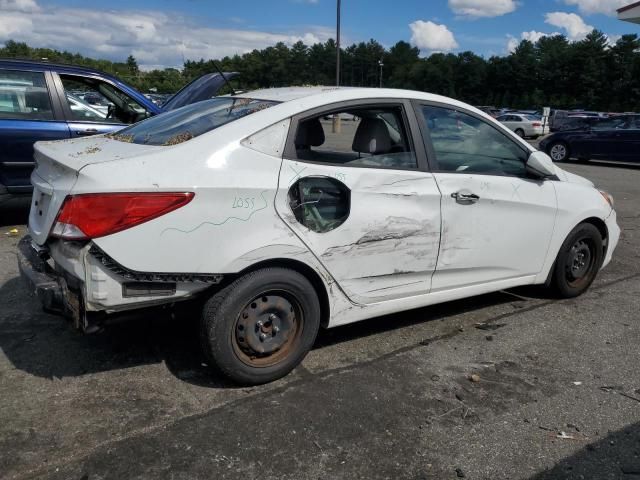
column 592, row 73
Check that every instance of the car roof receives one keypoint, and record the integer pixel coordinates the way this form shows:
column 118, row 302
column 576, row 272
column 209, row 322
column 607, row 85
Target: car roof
column 62, row 67
column 324, row 95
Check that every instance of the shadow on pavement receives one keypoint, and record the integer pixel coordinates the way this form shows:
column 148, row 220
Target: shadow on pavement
column 14, row 211
column 47, row 346
column 615, row 457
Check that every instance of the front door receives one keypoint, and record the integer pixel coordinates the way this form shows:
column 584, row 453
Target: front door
column 496, row 221
column 352, row 189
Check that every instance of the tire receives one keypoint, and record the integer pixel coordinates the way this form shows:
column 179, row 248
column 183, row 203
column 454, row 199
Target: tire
column 261, row 326
column 559, row 152
column 519, row 132
column 578, row 261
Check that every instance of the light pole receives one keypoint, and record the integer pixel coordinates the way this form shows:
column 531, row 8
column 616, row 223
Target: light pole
column 338, row 44
column 336, row 117
column 381, row 65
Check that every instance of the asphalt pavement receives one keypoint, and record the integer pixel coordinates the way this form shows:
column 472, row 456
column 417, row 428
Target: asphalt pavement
column 555, row 392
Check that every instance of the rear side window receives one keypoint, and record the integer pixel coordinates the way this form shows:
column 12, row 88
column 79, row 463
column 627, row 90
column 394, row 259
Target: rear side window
column 24, row 96
column 188, row 122
column 373, row 137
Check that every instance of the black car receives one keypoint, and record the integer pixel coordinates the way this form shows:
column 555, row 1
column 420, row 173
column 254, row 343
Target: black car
column 614, row 138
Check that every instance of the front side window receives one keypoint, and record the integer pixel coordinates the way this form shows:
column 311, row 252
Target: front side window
column 108, row 104
column 185, row 123
column 466, row 144
column 24, row 96
column 357, row 137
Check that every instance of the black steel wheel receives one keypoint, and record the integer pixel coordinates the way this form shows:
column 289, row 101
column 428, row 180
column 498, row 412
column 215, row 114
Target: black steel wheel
column 260, row 327
column 578, row 261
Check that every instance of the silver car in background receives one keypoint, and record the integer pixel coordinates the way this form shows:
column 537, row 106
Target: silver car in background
column 523, row 125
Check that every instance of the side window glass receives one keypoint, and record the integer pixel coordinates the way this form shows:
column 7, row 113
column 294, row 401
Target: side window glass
column 357, row 137
column 92, row 100
column 320, row 203
column 24, row 96
column 463, row 143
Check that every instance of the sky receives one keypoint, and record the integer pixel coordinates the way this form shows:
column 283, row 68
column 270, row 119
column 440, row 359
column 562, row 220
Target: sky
column 163, row 33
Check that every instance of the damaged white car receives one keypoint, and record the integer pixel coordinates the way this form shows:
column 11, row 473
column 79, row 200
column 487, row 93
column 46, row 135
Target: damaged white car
column 282, row 217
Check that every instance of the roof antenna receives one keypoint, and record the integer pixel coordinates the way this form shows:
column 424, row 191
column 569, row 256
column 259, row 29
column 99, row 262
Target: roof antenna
column 233, row 92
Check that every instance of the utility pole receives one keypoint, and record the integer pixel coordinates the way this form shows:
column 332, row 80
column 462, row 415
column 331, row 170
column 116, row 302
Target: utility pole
column 336, row 118
column 338, row 45
column 381, row 65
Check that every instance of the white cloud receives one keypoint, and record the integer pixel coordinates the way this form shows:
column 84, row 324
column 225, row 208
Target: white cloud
column 589, row 7
column 19, row 5
column 432, row 37
column 573, row 24
column 153, row 37
column 533, row 36
column 482, row 8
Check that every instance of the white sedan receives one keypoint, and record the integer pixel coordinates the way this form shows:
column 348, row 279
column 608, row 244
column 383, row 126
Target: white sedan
column 525, row 126
column 280, row 219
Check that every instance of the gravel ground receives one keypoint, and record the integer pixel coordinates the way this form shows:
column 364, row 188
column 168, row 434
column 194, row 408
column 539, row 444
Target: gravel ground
column 558, row 395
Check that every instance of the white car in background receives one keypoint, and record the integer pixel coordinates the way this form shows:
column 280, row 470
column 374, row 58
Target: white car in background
column 525, row 126
column 280, row 221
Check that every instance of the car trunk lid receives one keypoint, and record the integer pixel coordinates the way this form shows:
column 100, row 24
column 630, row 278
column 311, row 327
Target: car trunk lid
column 58, row 166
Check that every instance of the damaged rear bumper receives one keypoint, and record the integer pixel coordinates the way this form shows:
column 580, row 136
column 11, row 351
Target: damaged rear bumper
column 49, row 286
column 84, row 284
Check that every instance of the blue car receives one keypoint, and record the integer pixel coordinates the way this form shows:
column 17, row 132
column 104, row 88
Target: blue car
column 45, row 101
column 616, row 138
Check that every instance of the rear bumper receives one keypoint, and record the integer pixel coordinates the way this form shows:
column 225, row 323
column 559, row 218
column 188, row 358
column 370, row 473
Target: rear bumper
column 38, row 276
column 48, row 286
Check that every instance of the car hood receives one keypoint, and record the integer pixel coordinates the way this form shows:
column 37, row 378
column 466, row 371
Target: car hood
column 202, row 88
column 572, row 177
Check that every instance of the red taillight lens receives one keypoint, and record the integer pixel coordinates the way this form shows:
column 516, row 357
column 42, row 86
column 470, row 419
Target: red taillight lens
column 98, row 214
column 536, row 124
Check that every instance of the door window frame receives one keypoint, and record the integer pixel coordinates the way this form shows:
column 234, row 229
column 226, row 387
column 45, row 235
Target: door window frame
column 425, row 134
column 65, row 104
column 409, row 120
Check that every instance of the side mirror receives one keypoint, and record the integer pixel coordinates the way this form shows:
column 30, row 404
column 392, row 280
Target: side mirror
column 541, row 165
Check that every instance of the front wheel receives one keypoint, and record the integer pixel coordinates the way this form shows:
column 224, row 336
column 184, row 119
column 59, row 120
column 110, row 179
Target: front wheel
column 260, row 327
column 578, row 261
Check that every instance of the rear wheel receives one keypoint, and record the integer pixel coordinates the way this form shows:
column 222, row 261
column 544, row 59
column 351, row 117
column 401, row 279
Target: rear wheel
column 578, row 261
column 260, row 327
column 559, row 152
column 520, row 132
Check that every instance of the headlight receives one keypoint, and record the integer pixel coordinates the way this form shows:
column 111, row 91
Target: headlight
column 607, row 197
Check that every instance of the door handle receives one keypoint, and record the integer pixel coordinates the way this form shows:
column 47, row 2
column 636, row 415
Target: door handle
column 465, row 198
column 88, row 131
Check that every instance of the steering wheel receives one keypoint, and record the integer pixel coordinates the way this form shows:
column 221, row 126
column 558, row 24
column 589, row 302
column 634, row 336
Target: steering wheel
column 111, row 110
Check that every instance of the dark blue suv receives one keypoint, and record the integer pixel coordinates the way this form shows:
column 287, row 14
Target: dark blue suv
column 45, row 101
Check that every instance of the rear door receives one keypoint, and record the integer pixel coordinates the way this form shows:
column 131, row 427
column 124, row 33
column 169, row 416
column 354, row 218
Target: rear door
column 354, row 188
column 29, row 112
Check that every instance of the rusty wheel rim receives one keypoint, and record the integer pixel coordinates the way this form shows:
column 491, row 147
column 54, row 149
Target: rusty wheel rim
column 267, row 329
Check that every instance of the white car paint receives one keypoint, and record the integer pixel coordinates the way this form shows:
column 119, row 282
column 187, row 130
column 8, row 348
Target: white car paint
column 406, row 243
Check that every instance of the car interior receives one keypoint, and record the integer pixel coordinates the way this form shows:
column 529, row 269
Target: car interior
column 356, row 138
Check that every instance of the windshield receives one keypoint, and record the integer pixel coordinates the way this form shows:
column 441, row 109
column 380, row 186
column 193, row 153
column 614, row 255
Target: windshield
column 188, row 122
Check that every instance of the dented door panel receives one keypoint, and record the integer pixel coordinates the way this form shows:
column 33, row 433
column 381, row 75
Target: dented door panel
column 503, row 234
column 388, row 245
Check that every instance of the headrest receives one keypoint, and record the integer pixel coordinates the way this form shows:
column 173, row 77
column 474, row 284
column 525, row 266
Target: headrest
column 38, row 99
column 372, row 136
column 310, row 134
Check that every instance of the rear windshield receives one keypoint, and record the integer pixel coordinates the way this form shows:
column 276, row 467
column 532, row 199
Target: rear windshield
column 188, row 122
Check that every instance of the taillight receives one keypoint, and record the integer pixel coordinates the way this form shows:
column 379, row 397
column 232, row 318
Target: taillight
column 536, row 124
column 93, row 215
